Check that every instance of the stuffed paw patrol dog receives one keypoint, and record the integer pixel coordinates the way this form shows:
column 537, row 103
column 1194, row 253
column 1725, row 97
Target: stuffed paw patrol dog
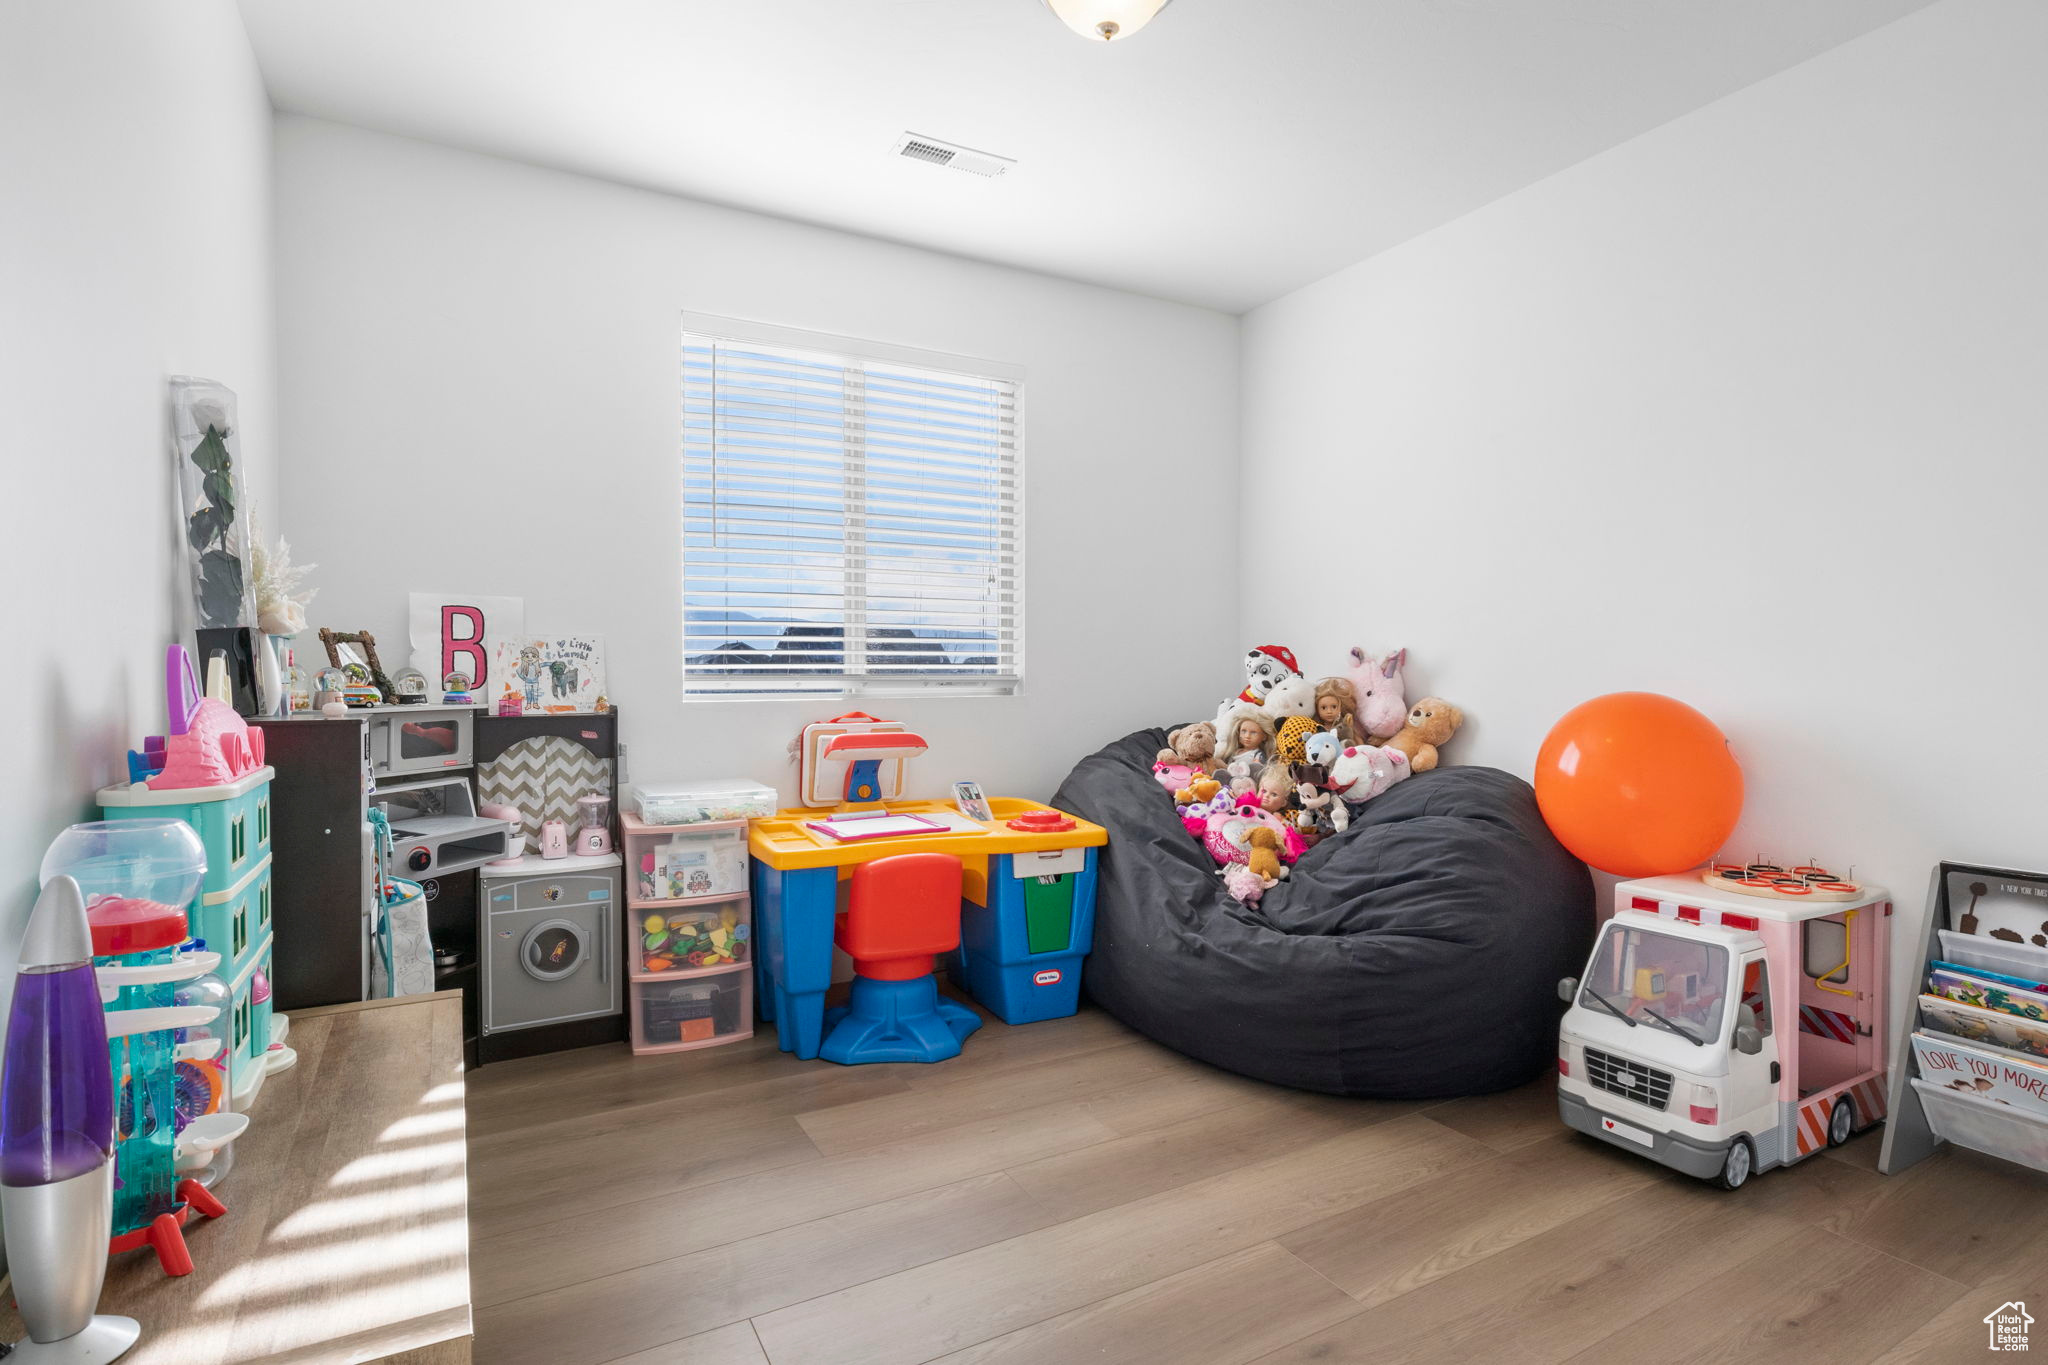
column 1263, row 667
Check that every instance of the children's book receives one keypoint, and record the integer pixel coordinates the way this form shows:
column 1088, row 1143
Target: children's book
column 2022, row 982
column 1986, row 991
column 1985, row 1073
column 1974, row 1025
column 2012, row 909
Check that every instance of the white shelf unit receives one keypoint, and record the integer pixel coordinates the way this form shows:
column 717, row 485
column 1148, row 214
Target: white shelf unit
column 1923, row 1115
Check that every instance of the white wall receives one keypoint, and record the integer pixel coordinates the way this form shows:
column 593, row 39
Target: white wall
column 479, row 369
column 134, row 245
column 1749, row 411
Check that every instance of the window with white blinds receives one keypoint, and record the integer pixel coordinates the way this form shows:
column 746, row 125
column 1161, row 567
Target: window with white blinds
column 851, row 516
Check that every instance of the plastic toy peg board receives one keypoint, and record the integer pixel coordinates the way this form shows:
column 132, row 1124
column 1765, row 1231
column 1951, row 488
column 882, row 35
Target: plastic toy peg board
column 1769, row 881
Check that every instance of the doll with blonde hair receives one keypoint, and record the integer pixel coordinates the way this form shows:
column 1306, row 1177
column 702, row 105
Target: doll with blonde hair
column 1247, row 733
column 1337, row 709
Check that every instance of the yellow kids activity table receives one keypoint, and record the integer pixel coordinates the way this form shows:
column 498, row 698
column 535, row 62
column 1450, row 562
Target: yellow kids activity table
column 1027, row 915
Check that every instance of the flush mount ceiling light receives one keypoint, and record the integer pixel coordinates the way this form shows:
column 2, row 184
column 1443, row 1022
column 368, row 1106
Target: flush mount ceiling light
column 1106, row 20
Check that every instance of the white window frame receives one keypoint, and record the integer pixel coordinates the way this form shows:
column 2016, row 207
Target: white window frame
column 756, row 687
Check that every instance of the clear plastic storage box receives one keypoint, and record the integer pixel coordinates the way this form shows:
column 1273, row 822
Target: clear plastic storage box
column 700, row 802
column 675, row 1016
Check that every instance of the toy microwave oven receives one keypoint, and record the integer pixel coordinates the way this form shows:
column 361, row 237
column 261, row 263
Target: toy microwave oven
column 407, row 741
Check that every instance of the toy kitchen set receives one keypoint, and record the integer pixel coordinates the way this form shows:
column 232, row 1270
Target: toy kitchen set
column 414, row 842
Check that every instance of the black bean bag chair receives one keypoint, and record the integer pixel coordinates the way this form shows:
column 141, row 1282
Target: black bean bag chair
column 1414, row 956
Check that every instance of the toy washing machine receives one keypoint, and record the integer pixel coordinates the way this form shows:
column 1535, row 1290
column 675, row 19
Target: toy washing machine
column 551, row 931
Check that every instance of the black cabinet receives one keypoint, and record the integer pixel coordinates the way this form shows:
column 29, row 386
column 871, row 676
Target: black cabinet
column 320, row 860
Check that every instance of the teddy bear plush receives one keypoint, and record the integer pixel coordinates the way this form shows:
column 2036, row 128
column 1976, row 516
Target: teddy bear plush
column 1187, row 767
column 1193, row 745
column 1431, row 721
column 1362, row 772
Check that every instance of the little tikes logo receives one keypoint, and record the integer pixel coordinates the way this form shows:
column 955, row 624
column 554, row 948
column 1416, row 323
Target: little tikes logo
column 2008, row 1325
column 1049, row 977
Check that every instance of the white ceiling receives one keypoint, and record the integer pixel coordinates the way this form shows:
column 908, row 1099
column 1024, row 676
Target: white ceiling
column 1232, row 151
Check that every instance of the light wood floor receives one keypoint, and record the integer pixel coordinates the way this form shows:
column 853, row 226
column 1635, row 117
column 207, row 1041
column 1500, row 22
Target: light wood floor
column 1069, row 1191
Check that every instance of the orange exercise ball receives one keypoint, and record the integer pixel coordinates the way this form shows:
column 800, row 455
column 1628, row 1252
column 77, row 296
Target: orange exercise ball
column 1638, row 784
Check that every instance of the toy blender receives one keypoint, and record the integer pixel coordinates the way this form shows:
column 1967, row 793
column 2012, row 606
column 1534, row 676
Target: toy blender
column 594, row 834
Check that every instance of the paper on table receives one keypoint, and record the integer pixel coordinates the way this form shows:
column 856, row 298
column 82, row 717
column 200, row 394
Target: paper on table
column 862, row 825
column 875, row 827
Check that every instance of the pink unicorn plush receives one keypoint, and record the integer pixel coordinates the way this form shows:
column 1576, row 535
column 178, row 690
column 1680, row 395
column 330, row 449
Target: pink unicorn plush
column 1382, row 692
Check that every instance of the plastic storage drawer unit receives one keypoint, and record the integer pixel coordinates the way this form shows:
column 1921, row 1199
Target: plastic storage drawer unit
column 1021, row 952
column 699, row 1011
column 686, row 867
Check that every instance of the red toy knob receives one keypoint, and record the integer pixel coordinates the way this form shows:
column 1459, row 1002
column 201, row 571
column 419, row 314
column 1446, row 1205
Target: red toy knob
column 1042, row 822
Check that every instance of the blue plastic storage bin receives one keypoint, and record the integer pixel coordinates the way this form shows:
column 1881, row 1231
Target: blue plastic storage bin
column 1021, row 953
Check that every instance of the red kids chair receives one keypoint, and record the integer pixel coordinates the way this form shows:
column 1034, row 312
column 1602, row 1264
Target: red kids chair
column 900, row 912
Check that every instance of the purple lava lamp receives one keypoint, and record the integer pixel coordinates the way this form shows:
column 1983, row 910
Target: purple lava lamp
column 57, row 1140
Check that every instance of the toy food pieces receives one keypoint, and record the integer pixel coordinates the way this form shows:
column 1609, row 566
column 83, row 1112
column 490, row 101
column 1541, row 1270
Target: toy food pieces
column 1768, row 880
column 692, row 938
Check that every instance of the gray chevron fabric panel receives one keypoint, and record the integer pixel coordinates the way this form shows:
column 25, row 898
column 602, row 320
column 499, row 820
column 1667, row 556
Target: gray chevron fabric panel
column 542, row 777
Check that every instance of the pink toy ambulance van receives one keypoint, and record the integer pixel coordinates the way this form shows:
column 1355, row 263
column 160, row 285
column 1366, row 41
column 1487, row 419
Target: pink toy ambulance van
column 1723, row 1034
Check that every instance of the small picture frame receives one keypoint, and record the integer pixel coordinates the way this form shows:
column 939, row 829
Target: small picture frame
column 359, row 647
column 967, row 796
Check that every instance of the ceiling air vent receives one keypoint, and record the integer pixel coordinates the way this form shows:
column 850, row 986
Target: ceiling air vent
column 949, row 154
